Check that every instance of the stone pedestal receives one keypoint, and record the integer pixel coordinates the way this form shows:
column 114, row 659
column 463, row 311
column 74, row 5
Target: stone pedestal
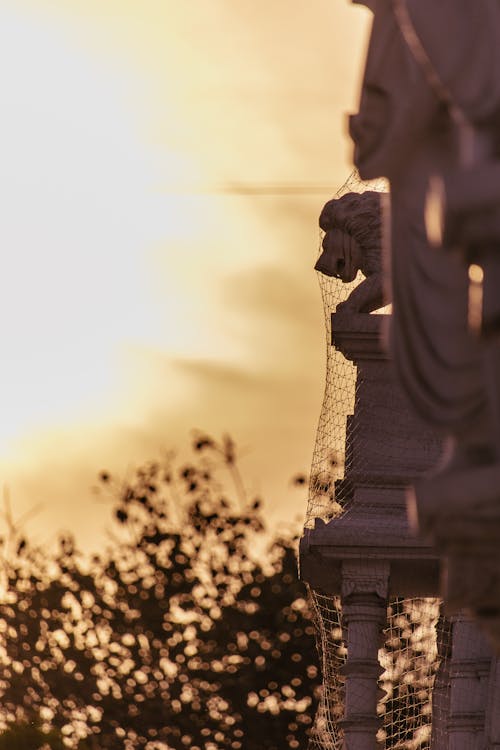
column 386, row 448
column 368, row 554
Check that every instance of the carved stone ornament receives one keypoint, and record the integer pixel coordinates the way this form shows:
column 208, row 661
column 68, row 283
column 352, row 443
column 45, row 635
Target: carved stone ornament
column 363, row 577
column 352, row 243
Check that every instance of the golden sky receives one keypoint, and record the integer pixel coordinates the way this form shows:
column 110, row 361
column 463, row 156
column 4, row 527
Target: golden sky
column 155, row 277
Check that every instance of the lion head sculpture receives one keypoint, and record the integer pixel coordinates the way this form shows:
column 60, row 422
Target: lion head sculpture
column 352, row 243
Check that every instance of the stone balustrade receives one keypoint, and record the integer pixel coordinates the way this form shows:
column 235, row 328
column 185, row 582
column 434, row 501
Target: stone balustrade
column 369, row 555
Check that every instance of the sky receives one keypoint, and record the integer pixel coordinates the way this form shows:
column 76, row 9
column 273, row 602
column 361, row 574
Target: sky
column 163, row 165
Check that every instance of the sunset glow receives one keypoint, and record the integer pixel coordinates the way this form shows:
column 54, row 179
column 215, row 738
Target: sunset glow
column 79, row 213
column 149, row 285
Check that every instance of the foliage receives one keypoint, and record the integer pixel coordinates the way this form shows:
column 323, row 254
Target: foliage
column 187, row 633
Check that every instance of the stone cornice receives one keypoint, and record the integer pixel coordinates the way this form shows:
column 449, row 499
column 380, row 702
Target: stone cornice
column 359, row 335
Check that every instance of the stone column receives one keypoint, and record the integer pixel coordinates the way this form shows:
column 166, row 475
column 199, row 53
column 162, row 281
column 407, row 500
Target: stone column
column 470, row 672
column 492, row 729
column 441, row 688
column 364, row 613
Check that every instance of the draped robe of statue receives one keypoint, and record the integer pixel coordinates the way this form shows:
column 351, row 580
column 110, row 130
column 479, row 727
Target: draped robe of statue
column 404, row 132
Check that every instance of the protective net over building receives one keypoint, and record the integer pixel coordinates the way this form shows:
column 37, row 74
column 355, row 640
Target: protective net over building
column 395, row 670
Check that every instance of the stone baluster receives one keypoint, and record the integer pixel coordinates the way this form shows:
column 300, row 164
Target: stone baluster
column 442, row 686
column 470, row 672
column 364, row 612
column 492, row 724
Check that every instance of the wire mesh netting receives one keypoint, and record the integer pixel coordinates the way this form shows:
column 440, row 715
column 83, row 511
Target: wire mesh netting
column 327, row 492
column 415, row 639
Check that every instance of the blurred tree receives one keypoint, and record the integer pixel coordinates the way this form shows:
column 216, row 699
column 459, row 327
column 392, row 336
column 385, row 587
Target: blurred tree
column 191, row 631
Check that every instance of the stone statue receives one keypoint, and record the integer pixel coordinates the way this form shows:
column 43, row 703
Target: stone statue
column 430, row 114
column 352, row 243
column 405, row 132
